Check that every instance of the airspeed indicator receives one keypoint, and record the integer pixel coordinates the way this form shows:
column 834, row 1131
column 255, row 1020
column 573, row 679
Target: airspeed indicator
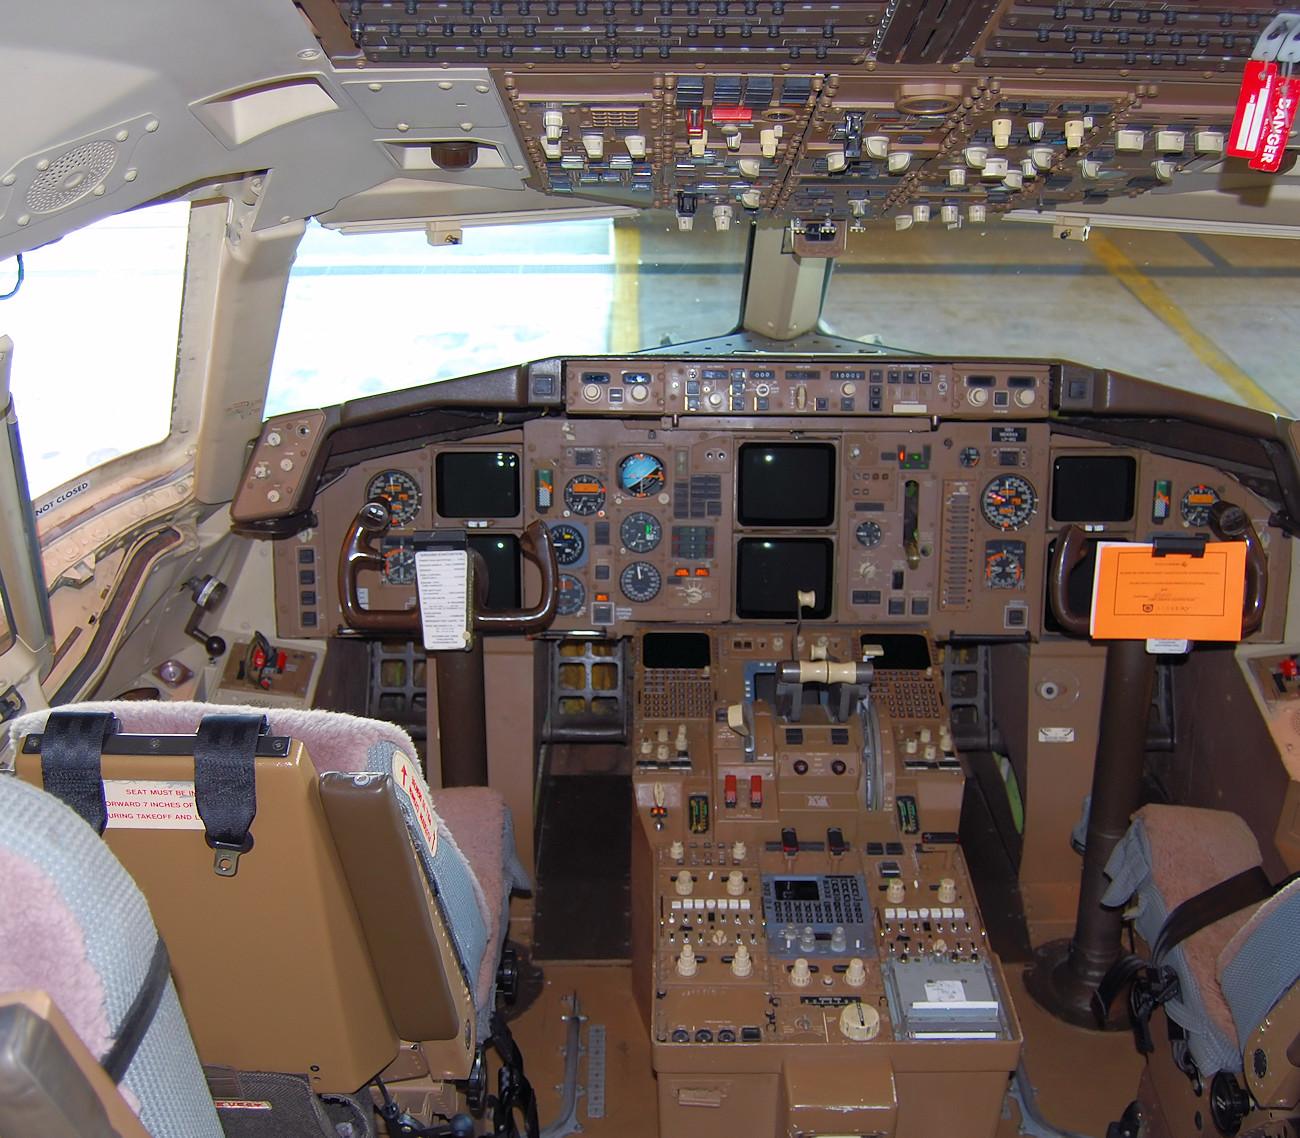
column 1009, row 502
column 640, row 581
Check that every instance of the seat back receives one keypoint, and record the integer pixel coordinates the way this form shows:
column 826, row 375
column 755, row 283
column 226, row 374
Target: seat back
column 331, row 941
column 74, row 926
column 1168, row 855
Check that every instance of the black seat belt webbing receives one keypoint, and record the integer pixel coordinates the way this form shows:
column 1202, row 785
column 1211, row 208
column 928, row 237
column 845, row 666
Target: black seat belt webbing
column 70, row 761
column 139, row 1016
column 1249, row 887
column 225, row 784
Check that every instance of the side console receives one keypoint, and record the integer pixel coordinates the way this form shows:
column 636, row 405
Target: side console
column 808, row 952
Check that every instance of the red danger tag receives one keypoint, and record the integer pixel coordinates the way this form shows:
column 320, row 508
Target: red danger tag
column 1252, row 103
column 1278, row 117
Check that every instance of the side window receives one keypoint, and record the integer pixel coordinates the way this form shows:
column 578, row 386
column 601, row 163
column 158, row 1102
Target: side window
column 95, row 328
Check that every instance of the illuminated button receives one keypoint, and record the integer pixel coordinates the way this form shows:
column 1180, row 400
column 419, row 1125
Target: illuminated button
column 273, row 439
column 591, row 392
column 639, row 394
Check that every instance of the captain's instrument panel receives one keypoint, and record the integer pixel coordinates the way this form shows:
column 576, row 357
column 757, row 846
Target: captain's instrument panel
column 928, row 499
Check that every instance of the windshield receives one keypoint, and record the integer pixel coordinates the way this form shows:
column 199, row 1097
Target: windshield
column 374, row 312
column 1203, row 313
column 95, row 326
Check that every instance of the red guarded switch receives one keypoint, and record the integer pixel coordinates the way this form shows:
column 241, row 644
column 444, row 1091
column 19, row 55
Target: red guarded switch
column 756, row 791
column 729, row 791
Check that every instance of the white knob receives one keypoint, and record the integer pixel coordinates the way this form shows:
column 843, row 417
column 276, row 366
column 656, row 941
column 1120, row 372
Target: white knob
column 836, row 162
column 950, row 215
column 807, row 939
column 722, row 218
column 684, row 884
column 856, row 976
column 738, row 851
column 839, row 941
column 735, row 883
column 976, row 156
column 273, row 439
column 859, row 1022
column 553, row 122
column 894, row 891
column 681, row 736
column 921, row 212
column 748, row 167
column 925, row 734
column 1073, row 134
column 898, row 161
column 1209, row 142
column 1170, row 141
column 635, row 144
column 957, row 176
column 947, row 891
column 1130, row 140
column 741, row 964
column 976, row 214
column 876, row 145
column 1036, row 128
column 715, row 398
column 1041, row 156
column 686, row 965
column 801, row 974
column 1001, row 133
column 677, row 851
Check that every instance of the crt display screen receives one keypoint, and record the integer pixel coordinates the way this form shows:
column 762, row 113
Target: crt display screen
column 786, row 484
column 1093, row 488
column 796, row 889
column 770, row 571
column 501, row 552
column 477, row 484
column 676, row 650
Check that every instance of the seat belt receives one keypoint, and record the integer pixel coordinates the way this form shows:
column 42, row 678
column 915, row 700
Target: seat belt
column 225, row 784
column 139, row 1016
column 71, row 745
column 1156, row 983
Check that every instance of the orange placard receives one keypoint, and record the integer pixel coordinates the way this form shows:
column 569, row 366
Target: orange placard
column 1138, row 596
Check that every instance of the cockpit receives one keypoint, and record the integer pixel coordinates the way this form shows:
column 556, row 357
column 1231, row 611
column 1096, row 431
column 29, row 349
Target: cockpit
column 648, row 569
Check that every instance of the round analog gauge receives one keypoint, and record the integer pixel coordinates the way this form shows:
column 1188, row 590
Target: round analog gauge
column 970, row 456
column 640, row 532
column 568, row 542
column 572, row 595
column 399, row 566
column 869, row 534
column 1009, row 502
column 641, row 475
column 401, row 492
column 1196, row 505
column 1004, row 568
column 640, row 581
column 585, row 495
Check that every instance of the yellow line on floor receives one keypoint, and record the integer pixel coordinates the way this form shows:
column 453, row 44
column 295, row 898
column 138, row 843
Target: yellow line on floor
column 1164, row 310
column 624, row 314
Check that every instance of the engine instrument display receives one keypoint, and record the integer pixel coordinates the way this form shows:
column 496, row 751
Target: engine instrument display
column 641, row 475
column 1008, row 502
column 640, row 532
column 402, row 493
column 640, row 582
column 585, row 495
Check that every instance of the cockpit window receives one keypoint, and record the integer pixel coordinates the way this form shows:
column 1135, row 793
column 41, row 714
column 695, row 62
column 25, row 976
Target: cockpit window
column 1182, row 309
column 373, row 312
column 95, row 328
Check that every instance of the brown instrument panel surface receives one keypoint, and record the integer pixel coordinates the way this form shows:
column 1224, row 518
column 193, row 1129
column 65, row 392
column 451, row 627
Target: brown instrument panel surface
column 940, row 518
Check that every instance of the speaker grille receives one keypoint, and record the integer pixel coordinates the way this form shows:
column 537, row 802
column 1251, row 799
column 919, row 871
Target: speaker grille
column 71, row 176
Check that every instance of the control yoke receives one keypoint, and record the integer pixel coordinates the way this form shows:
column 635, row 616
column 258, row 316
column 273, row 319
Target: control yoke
column 461, row 697
column 1065, row 974
column 360, row 552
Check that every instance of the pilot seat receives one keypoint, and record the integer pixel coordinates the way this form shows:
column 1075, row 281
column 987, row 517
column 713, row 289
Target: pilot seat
column 328, row 918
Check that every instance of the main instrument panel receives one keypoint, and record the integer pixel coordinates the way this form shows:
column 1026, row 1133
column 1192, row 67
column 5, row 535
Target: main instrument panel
column 899, row 492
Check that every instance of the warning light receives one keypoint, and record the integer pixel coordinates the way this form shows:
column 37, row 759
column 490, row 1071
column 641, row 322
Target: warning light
column 701, row 572
column 681, row 572
column 733, row 114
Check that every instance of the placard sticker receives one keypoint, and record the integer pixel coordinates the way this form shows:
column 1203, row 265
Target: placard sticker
column 945, row 991
column 409, row 781
column 442, row 580
column 142, row 804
